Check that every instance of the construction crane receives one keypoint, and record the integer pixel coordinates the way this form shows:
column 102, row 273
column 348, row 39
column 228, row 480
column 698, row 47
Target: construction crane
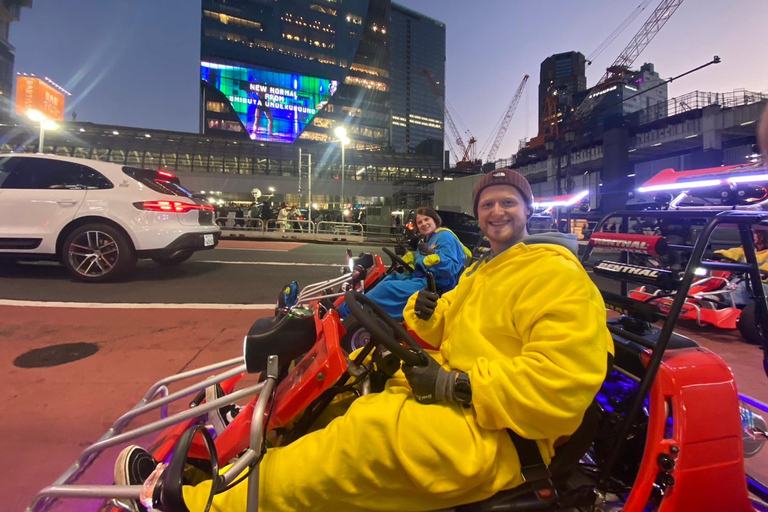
column 507, row 119
column 642, row 39
column 466, row 150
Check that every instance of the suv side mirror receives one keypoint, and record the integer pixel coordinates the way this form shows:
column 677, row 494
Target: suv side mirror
column 194, row 461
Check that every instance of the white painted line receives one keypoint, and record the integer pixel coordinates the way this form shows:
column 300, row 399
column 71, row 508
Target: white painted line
column 128, row 305
column 274, row 263
column 219, row 248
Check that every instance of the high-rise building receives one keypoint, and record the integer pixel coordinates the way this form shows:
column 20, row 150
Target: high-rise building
column 630, row 91
column 562, row 77
column 417, row 58
column 10, row 11
column 296, row 69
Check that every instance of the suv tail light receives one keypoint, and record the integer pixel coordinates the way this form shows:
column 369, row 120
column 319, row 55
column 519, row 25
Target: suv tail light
column 170, row 206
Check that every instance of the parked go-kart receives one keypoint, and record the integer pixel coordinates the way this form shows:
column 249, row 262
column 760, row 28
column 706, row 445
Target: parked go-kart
column 362, row 273
column 710, row 301
column 646, row 443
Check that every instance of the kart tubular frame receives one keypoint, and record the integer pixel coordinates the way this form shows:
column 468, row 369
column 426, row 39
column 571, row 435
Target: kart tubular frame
column 744, row 222
column 64, row 486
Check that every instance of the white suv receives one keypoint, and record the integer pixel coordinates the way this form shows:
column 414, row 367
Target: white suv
column 97, row 218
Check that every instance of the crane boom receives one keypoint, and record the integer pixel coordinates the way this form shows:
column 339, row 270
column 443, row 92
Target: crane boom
column 644, row 36
column 448, row 118
column 642, row 39
column 507, row 119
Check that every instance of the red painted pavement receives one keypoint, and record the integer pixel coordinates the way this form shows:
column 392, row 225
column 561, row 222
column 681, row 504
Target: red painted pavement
column 49, row 415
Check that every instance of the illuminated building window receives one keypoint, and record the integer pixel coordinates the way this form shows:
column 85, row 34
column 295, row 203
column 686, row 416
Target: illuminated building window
column 226, row 19
column 370, row 70
column 364, row 82
column 320, row 137
column 352, row 111
column 322, row 122
column 220, row 124
column 215, row 106
column 354, row 19
column 266, row 45
column 326, row 10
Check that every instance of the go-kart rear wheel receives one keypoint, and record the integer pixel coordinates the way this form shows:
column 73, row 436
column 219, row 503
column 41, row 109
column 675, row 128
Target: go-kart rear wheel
column 748, row 326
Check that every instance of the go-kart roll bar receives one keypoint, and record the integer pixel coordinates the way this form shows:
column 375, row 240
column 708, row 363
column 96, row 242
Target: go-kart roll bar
column 62, row 487
column 744, row 220
column 313, row 291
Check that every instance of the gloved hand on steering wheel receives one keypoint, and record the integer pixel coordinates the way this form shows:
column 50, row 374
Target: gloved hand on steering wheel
column 400, row 250
column 408, row 258
column 432, row 384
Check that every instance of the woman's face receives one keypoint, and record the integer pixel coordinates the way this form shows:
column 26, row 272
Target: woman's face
column 760, row 240
column 425, row 225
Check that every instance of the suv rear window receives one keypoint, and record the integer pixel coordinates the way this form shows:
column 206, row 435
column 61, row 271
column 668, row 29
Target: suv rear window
column 159, row 181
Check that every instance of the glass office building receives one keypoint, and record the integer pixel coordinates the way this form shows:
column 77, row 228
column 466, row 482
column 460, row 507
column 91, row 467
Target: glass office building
column 10, row 11
column 296, row 69
column 418, row 82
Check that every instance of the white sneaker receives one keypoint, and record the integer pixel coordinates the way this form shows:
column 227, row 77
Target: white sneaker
column 220, row 418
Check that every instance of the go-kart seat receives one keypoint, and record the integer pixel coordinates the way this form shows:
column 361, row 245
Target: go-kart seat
column 287, row 336
column 565, row 461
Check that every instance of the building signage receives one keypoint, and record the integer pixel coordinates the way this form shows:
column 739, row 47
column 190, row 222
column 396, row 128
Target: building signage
column 34, row 94
column 272, row 106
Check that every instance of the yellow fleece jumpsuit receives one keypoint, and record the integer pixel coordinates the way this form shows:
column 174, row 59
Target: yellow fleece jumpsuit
column 528, row 326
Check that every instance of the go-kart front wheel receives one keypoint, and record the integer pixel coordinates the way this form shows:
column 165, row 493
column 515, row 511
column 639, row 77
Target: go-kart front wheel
column 748, row 326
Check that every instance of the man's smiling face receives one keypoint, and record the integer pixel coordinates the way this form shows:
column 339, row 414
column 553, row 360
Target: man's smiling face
column 502, row 215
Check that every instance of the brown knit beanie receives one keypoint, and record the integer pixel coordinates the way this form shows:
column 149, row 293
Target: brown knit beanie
column 504, row 177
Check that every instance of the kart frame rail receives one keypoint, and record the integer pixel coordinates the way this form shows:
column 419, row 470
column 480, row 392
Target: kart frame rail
column 64, row 486
column 744, row 221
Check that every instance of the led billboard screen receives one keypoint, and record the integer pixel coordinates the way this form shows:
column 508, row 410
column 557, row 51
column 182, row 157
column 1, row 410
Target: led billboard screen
column 272, row 106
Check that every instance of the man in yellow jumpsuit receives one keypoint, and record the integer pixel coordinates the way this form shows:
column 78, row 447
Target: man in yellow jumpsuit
column 524, row 331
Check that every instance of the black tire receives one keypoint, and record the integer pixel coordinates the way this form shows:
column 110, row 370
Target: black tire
column 356, row 337
column 96, row 253
column 747, row 325
column 177, row 259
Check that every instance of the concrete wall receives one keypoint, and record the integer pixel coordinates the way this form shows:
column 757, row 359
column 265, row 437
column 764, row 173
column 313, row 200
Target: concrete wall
column 456, row 194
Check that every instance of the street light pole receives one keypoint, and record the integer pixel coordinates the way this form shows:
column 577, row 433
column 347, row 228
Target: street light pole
column 45, row 123
column 41, row 139
column 343, row 150
column 341, row 133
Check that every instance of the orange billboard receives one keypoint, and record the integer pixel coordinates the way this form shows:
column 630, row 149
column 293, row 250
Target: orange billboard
column 35, row 94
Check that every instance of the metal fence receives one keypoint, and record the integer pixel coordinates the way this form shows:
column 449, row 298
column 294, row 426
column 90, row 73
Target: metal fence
column 306, row 230
column 697, row 100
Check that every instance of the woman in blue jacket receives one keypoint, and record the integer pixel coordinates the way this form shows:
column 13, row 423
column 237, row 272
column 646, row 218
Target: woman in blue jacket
column 440, row 253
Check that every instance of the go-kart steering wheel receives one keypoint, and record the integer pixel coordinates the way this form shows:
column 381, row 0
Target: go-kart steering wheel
column 396, row 259
column 412, row 354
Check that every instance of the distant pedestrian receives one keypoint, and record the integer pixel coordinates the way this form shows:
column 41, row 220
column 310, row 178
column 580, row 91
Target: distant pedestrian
column 282, row 217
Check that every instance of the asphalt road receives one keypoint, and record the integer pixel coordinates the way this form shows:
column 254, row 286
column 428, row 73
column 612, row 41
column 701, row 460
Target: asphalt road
column 236, row 272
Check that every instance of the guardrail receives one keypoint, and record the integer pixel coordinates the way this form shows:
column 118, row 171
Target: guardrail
column 291, row 229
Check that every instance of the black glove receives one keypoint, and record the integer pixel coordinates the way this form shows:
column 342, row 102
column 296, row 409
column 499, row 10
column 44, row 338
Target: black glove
column 430, row 383
column 425, row 249
column 426, row 302
column 400, row 250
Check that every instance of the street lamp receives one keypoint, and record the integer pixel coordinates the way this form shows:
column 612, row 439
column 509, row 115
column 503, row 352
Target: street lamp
column 45, row 124
column 341, row 134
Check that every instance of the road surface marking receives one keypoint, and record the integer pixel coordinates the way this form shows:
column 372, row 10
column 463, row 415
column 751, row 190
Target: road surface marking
column 128, row 305
column 274, row 263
